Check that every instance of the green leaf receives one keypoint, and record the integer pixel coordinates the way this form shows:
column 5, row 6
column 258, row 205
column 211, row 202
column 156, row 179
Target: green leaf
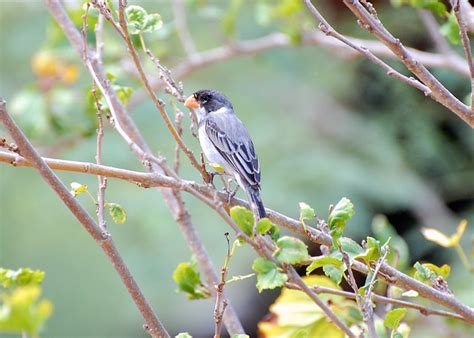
column 124, row 93
column 20, row 277
column 268, row 274
column 117, row 212
column 22, row 310
column 372, row 252
column 77, row 188
column 230, row 18
column 136, row 18
column 153, row 23
column 394, row 317
column 426, row 272
column 340, row 214
column 442, row 271
column 334, row 273
column 306, row 213
column 351, row 247
column 240, row 336
column 183, row 335
column 320, row 261
column 291, row 250
column 450, row 29
column 243, row 217
column 422, row 273
column 435, row 6
column 264, row 225
column 189, row 281
column 294, row 313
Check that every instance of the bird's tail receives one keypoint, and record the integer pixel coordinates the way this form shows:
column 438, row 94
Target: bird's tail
column 255, row 197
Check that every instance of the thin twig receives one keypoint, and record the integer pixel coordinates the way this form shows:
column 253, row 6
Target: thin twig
column 104, row 239
column 179, row 12
column 389, row 274
column 100, row 131
column 451, row 62
column 371, row 23
column 221, row 302
column 158, row 103
column 426, row 311
column 432, row 26
column 326, row 309
column 129, row 132
column 465, row 43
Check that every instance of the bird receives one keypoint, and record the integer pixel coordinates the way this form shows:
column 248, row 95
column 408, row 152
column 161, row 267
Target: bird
column 226, row 142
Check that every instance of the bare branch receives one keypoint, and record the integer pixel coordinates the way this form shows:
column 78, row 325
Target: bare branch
column 179, row 11
column 432, row 26
column 104, row 239
column 279, row 40
column 129, row 132
column 370, row 22
column 426, row 311
column 389, row 274
column 465, row 43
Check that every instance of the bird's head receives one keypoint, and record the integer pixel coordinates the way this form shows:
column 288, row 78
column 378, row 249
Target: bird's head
column 209, row 100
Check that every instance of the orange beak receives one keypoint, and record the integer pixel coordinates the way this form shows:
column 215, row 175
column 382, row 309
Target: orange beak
column 191, row 102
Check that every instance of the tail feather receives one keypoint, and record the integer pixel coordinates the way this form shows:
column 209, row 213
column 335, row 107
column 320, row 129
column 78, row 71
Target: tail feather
column 255, row 197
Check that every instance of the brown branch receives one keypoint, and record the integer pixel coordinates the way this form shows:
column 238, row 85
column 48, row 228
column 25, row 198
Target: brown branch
column 100, row 131
column 432, row 26
column 369, row 21
column 158, row 103
column 104, row 239
column 465, row 43
column 280, row 40
column 309, row 291
column 179, row 12
column 129, row 132
column 389, row 274
column 426, row 311
column 221, row 302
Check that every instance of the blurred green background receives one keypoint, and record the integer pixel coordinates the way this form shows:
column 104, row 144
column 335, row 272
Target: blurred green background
column 324, row 127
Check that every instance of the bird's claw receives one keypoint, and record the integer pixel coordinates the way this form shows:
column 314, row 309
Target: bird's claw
column 231, row 193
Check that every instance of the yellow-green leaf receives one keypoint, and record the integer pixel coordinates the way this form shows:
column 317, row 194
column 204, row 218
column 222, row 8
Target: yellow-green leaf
column 77, row 188
column 269, row 275
column 440, row 238
column 317, row 262
column 291, row 250
column 394, row 317
column 117, row 212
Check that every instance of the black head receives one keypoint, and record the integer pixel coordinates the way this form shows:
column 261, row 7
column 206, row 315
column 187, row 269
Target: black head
column 211, row 100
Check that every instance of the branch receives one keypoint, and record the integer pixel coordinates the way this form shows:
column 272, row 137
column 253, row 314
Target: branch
column 129, row 132
column 369, row 21
column 179, row 12
column 280, row 40
column 465, row 43
column 389, row 274
column 426, row 311
column 103, row 238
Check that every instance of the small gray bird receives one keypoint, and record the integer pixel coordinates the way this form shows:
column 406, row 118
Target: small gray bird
column 226, row 143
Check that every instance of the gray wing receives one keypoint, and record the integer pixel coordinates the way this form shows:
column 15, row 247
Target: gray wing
column 233, row 142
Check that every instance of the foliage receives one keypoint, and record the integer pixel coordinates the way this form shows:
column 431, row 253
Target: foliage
column 291, row 250
column 116, row 211
column 294, row 314
column 338, row 216
column 269, row 275
column 189, row 281
column 22, row 310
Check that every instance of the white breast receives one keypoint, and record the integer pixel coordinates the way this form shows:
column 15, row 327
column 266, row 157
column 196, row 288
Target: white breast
column 211, row 152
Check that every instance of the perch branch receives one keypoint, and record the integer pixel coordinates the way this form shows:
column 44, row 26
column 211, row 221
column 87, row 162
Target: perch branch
column 104, row 239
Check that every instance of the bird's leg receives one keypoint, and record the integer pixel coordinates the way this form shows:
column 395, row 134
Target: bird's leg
column 228, row 190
